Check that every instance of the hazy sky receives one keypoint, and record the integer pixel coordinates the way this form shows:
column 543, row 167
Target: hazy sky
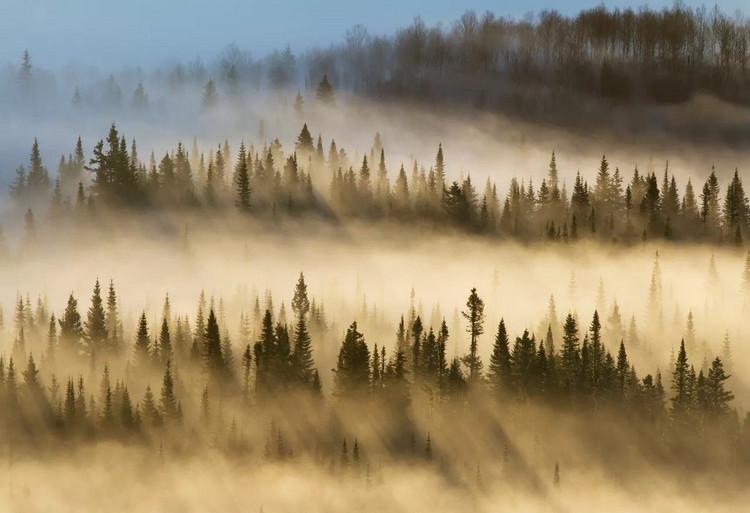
column 132, row 32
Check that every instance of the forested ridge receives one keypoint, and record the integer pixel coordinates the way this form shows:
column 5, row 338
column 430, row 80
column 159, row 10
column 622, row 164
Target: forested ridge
column 307, row 181
column 491, row 61
column 180, row 382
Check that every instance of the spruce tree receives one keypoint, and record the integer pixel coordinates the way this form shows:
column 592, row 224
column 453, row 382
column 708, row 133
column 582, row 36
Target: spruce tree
column 353, row 364
column 142, row 343
column 681, row 385
column 300, row 301
column 302, row 359
column 112, row 319
column 165, row 342
column 304, row 145
column 570, row 356
column 212, row 354
column 168, row 401
column 500, row 365
column 242, row 180
column 71, row 330
column 96, row 331
column 150, row 411
column 718, row 396
column 474, row 314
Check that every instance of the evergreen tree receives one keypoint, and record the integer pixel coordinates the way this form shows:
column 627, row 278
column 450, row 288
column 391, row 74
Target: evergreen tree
column 37, row 180
column 165, row 342
column 112, row 320
column 71, row 330
column 142, row 343
column 718, row 397
column 303, row 364
column 500, row 364
column 681, row 385
column 96, row 331
column 212, row 354
column 353, row 364
column 570, row 356
column 300, row 301
column 304, row 145
column 474, row 315
column 325, row 92
column 242, row 180
column 168, row 402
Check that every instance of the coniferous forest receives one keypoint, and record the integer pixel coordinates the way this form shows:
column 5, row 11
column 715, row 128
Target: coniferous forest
column 500, row 263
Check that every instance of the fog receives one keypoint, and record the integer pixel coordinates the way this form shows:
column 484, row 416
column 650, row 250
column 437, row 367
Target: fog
column 298, row 352
column 490, row 460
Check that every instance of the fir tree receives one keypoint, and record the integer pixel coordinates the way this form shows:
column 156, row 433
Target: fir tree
column 212, row 354
column 681, row 386
column 71, row 330
column 474, row 315
column 242, row 180
column 168, row 401
column 500, row 365
column 142, row 343
column 96, row 331
column 353, row 364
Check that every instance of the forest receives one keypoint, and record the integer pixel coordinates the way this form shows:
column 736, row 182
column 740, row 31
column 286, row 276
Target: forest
column 247, row 377
column 534, row 68
column 477, row 262
column 307, row 182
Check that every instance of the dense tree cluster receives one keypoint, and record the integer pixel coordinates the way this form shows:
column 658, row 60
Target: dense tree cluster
column 661, row 56
column 78, row 378
column 271, row 181
column 533, row 66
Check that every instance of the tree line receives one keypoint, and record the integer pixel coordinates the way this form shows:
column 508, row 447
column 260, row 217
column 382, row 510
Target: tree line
column 78, row 377
column 624, row 54
column 309, row 182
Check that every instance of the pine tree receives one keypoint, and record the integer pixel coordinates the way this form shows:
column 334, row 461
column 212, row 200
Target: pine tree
column 247, row 361
column 474, row 314
column 213, row 359
column 96, row 331
column 165, row 342
column 242, row 180
column 112, row 320
column 51, row 340
column 71, row 330
column 168, row 401
column 127, row 417
column 500, row 364
column 300, row 301
column 681, row 386
column 304, row 145
column 718, row 397
column 353, row 364
column 24, row 73
column 142, row 343
column 302, row 359
column 31, row 378
column 623, row 368
column 570, row 356
column 150, row 412
column 37, row 180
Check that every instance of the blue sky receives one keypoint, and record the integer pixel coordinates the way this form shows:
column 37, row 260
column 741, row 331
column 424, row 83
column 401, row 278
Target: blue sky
column 130, row 32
